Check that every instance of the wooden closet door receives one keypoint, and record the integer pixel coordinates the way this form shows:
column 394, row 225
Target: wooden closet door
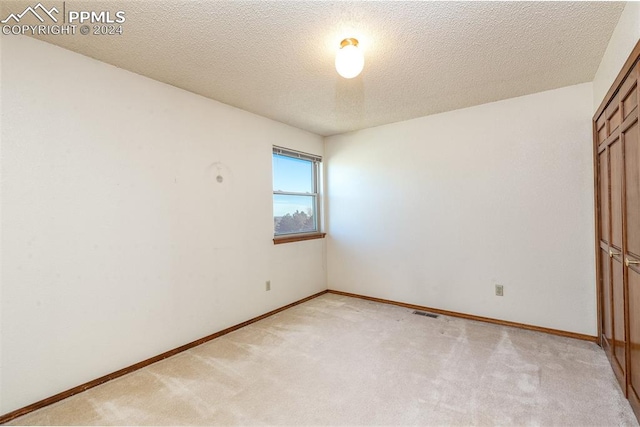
column 616, row 236
column 630, row 137
column 616, row 133
column 606, row 293
column 615, row 248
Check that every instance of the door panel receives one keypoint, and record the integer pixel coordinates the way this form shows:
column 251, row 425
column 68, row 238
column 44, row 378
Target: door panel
column 617, row 286
column 629, row 94
column 634, row 331
column 607, row 321
column 604, row 196
column 615, row 179
column 602, row 131
column 613, row 115
column 630, row 100
column 615, row 119
column 632, row 182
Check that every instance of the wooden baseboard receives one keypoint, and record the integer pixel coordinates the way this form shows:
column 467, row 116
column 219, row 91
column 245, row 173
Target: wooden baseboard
column 78, row 389
column 472, row 317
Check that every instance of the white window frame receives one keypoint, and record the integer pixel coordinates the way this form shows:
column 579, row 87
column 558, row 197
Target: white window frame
column 316, row 162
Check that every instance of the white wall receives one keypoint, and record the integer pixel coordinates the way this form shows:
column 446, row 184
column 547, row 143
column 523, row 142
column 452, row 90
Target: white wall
column 117, row 241
column 434, row 211
column 624, row 38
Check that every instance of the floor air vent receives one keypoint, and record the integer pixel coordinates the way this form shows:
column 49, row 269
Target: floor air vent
column 424, row 313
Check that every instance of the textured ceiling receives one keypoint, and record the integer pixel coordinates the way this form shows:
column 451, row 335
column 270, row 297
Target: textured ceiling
column 276, row 59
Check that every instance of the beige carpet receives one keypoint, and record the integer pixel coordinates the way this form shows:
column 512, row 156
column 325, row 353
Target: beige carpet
column 339, row 360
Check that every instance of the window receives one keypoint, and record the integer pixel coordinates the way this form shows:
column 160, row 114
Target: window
column 296, row 203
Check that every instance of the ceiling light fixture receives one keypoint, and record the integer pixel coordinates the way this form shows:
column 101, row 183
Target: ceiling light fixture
column 349, row 59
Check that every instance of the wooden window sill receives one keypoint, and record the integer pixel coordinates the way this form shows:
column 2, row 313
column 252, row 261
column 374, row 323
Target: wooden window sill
column 297, row 238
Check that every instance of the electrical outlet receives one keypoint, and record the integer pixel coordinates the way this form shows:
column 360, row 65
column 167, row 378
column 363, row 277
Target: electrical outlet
column 499, row 290
column 268, row 285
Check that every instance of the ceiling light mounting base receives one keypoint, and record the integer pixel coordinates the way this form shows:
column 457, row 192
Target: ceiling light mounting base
column 349, row 42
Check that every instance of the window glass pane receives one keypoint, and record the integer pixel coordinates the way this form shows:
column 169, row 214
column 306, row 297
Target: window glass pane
column 293, row 214
column 292, row 175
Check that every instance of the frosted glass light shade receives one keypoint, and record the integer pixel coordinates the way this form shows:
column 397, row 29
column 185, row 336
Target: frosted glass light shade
column 349, row 59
